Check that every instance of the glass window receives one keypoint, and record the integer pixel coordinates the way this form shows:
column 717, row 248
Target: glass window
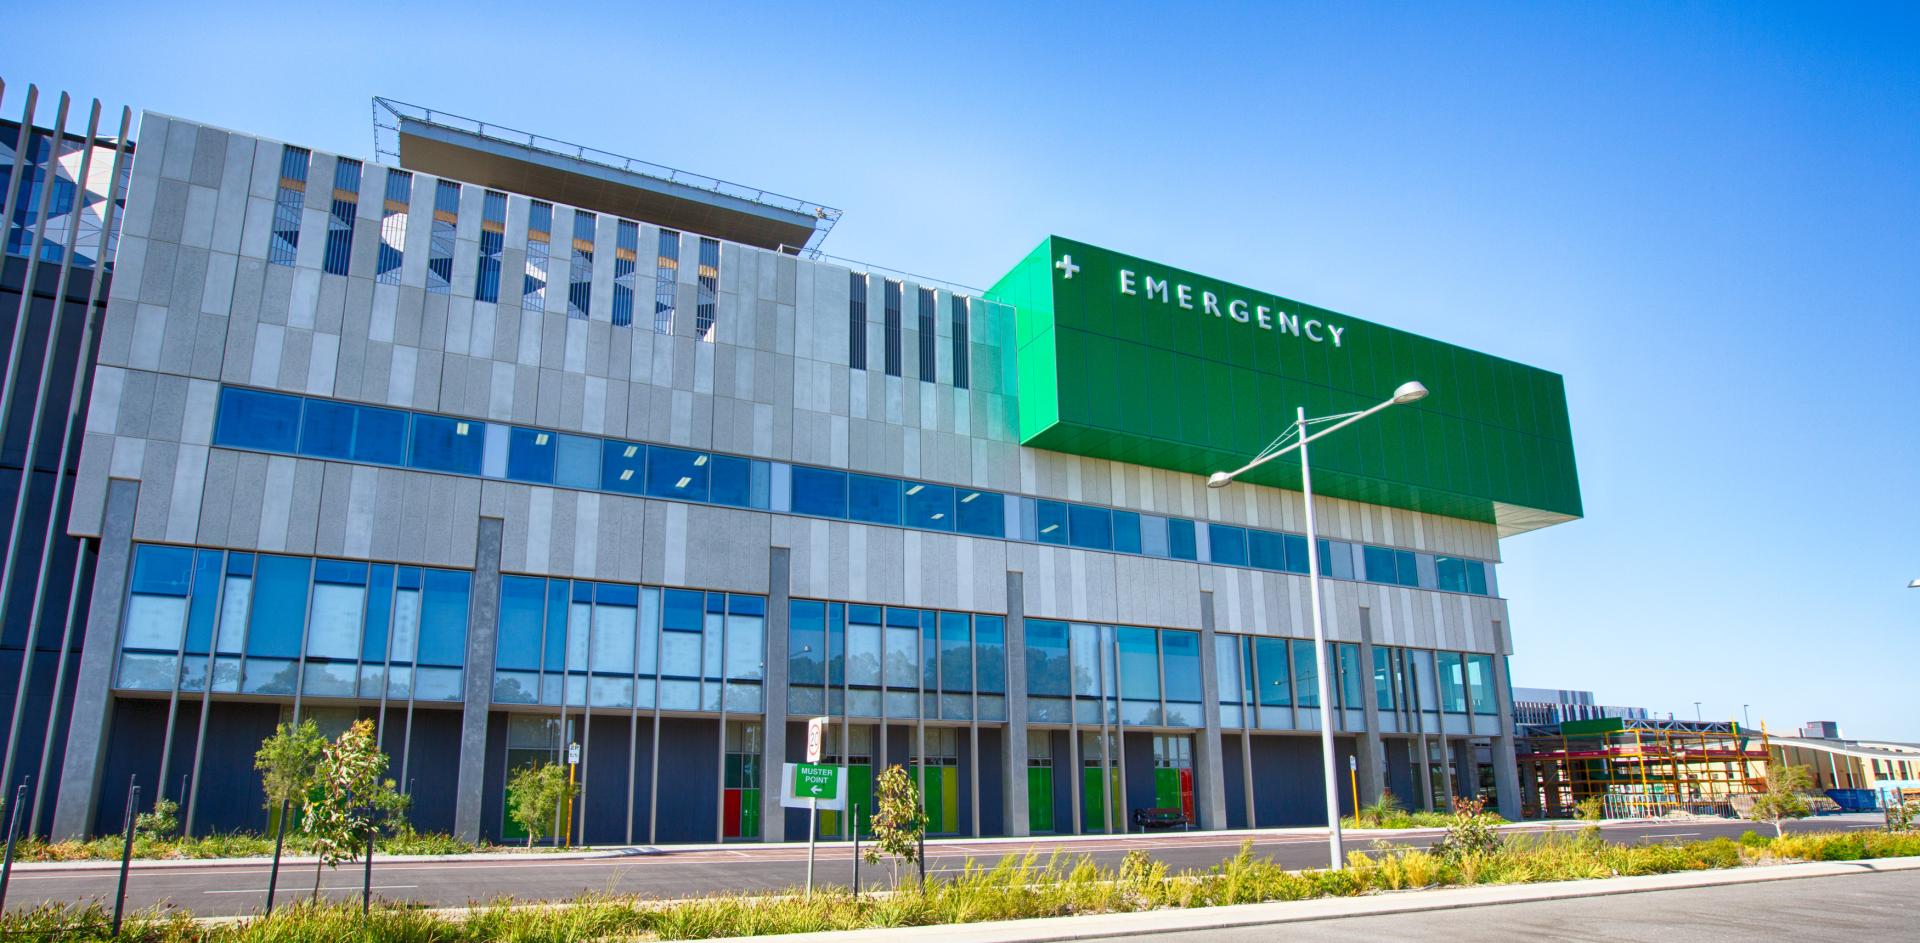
column 1181, row 543
column 622, row 465
column 819, row 492
column 732, row 482
column 981, row 513
column 1380, row 565
column 1047, row 664
column 576, row 461
column 443, row 618
column 157, row 607
column 962, row 344
column 530, row 454
column 706, row 288
column 450, row 445
column 1274, row 685
column 1153, row 535
column 746, row 637
column 1051, row 518
column 1226, row 668
column 580, row 282
column 1480, row 689
column 289, row 199
column 1092, row 665
column 339, row 603
column 1228, row 544
column 1306, row 674
column 250, row 419
column 929, row 506
column 446, row 220
column 1090, row 527
column 903, row 648
column 208, row 568
column 493, row 235
column 676, row 473
column 990, row 653
column 863, row 645
column 892, row 313
column 1477, row 578
column 956, row 652
column 522, row 614
column 1265, row 549
column 681, row 622
column 807, row 642
column 1350, row 678
column 626, row 257
column 1450, row 574
column 393, row 227
column 1296, row 552
column 1181, row 652
column 1407, row 567
column 1453, row 687
column 928, row 364
column 533, row 285
column 616, row 610
column 874, row 500
column 280, row 606
column 666, row 273
column 857, row 320
column 341, row 213
column 379, row 435
column 1126, row 532
column 1139, row 663
column 1383, row 680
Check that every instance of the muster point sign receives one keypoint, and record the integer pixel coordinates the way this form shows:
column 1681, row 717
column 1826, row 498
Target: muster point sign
column 813, row 781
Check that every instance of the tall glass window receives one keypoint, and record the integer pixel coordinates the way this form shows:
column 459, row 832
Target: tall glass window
column 1274, row 679
column 892, row 327
column 288, row 200
column 1352, row 682
column 1049, row 667
column 928, row 366
column 857, row 320
column 1306, row 674
column 393, row 227
column 626, row 256
column 666, row 274
column 1386, row 680
column 962, row 344
column 493, row 235
column 341, row 215
column 580, row 287
column 706, row 289
column 446, row 223
column 1480, row 690
column 533, row 287
column 1453, row 683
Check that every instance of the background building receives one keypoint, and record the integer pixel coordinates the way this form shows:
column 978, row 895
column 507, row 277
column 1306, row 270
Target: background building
column 510, row 444
column 1553, row 705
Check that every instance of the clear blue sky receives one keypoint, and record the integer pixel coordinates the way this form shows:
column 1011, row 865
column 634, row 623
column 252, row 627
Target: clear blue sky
column 1707, row 217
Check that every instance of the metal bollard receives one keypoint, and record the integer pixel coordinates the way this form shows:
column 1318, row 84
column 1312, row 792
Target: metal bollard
column 856, row 849
column 13, row 833
column 126, row 852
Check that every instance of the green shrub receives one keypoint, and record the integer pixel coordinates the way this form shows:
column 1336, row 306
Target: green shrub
column 1590, row 809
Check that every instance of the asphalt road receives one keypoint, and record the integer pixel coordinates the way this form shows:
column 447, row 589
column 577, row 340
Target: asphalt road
column 220, row 890
column 1853, row 907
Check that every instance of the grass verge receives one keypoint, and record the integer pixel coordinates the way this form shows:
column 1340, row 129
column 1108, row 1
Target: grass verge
column 237, row 845
column 1016, row 887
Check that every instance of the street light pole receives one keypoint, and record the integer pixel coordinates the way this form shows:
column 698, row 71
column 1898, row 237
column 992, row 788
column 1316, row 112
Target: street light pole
column 1746, row 719
column 1406, row 393
column 1696, row 710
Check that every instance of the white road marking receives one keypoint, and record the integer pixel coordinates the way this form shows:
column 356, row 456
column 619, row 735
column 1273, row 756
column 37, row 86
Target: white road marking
column 262, row 890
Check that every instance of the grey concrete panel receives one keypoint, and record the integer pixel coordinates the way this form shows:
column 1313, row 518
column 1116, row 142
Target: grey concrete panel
column 87, row 729
column 1013, row 761
column 482, row 627
column 773, row 744
column 1207, row 752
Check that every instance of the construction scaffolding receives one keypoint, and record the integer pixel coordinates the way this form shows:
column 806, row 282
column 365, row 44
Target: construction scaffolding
column 1638, row 768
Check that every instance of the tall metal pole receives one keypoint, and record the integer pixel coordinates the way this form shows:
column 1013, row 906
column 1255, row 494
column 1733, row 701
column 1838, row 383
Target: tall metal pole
column 1330, row 780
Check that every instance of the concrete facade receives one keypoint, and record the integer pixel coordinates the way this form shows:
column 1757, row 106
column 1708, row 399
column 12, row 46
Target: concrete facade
column 196, row 306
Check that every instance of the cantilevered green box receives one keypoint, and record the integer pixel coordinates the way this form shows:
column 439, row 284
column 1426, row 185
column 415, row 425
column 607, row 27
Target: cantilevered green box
column 1131, row 360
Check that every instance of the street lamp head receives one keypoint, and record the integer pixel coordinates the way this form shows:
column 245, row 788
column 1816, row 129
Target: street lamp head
column 1410, row 391
column 1914, row 585
column 1222, row 479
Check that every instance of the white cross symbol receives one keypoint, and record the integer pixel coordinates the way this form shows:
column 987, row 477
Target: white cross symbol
column 1066, row 266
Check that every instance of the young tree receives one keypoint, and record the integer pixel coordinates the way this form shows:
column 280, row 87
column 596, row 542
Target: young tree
column 539, row 793
column 287, row 761
column 898, row 824
column 349, row 798
column 1782, row 799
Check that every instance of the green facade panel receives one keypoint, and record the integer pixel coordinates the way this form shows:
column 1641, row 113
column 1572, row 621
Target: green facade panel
column 1126, row 359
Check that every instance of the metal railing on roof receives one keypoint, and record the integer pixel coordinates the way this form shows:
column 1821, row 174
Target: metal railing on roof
column 386, row 143
column 816, row 255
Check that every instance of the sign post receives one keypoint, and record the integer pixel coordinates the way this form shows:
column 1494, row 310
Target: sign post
column 1353, row 775
column 816, row 736
column 573, row 763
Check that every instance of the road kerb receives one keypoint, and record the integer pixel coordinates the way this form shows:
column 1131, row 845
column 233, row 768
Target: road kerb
column 1100, row 926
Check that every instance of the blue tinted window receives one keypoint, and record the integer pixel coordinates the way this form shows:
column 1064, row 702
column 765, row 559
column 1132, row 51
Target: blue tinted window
column 622, row 467
column 982, row 513
column 807, row 642
column 1450, row 573
column 1181, row 653
column 929, row 506
column 443, row 618
column 732, row 481
column 1052, row 522
column 681, row 610
column 1229, row 544
column 956, row 652
column 1139, row 664
column 207, row 565
column 1126, row 532
column 250, row 419
column 530, row 455
column 1476, row 577
column 990, row 653
column 1297, row 561
column 1265, row 549
column 1273, row 683
column 819, row 492
column 1180, row 540
column 1090, row 527
column 162, row 571
column 326, row 430
column 576, row 461
column 379, row 435
column 373, row 645
column 1407, row 567
column 1047, row 665
column 522, row 615
column 279, row 608
column 450, row 445
column 1380, row 565
column 876, row 500
column 1306, row 674
column 677, row 473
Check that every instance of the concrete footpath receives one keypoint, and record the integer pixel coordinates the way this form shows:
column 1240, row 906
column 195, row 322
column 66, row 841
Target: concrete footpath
column 1042, row 930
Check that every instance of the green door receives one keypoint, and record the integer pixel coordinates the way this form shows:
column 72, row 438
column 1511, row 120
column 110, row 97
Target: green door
column 1039, row 799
